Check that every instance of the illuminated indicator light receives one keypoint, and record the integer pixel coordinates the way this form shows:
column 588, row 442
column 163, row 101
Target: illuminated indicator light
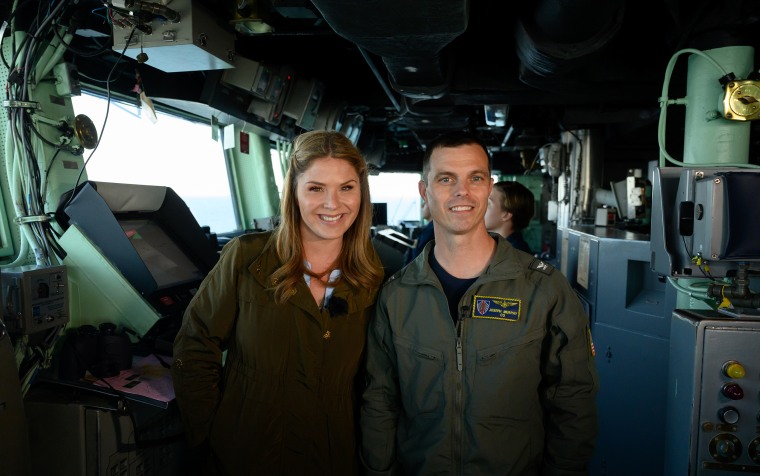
column 166, row 300
column 732, row 391
column 734, row 369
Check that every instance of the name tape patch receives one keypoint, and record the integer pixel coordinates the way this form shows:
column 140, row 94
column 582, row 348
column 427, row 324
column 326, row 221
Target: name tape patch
column 492, row 307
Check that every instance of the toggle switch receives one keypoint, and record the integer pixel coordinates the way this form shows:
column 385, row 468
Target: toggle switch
column 725, row 447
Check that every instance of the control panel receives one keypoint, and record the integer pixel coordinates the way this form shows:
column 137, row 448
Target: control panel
column 714, row 395
column 35, row 298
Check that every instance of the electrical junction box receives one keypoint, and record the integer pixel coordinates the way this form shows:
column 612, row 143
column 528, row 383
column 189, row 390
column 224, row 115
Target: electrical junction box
column 194, row 43
column 303, row 102
column 35, row 298
column 271, row 90
column 256, row 78
column 67, row 80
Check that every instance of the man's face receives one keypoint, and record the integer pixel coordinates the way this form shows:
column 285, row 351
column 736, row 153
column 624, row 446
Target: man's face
column 457, row 189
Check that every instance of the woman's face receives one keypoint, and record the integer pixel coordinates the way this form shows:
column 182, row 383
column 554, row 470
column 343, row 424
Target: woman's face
column 494, row 213
column 329, row 198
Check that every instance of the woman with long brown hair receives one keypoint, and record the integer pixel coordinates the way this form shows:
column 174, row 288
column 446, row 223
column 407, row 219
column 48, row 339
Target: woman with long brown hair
column 290, row 307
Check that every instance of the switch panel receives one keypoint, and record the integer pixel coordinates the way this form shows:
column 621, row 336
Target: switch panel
column 713, row 408
column 35, row 298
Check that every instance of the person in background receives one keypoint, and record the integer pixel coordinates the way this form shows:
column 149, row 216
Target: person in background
column 291, row 308
column 510, row 208
column 424, row 236
column 479, row 357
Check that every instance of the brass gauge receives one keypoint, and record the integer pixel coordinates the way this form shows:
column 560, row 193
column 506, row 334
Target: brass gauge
column 85, row 131
column 741, row 101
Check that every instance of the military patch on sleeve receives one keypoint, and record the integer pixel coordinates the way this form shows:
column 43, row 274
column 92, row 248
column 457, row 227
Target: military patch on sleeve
column 591, row 347
column 542, row 266
column 490, row 307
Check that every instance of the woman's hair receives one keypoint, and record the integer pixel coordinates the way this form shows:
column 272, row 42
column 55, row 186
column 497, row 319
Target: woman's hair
column 360, row 267
column 518, row 200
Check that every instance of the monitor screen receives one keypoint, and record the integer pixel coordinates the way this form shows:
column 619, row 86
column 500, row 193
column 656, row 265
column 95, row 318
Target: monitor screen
column 165, row 261
column 379, row 214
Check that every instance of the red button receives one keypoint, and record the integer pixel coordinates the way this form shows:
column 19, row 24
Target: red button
column 733, row 391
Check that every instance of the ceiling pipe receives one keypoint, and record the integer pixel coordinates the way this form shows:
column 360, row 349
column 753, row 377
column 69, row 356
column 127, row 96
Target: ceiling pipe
column 379, row 77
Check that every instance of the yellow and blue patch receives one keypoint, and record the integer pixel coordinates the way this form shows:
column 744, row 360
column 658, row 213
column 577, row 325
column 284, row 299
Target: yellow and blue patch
column 492, row 307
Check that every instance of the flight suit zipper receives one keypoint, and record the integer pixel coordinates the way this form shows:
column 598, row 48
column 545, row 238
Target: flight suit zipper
column 458, row 399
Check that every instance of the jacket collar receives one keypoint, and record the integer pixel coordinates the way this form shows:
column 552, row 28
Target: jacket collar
column 267, row 262
column 504, row 264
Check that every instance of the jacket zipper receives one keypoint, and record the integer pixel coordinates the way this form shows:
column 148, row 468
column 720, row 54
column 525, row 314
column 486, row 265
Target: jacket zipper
column 458, row 399
column 462, row 315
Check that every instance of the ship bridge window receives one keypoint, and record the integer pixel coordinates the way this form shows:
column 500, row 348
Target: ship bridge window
column 399, row 191
column 166, row 150
column 400, row 194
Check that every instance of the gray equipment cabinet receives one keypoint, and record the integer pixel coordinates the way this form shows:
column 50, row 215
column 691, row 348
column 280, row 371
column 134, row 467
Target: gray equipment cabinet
column 629, row 309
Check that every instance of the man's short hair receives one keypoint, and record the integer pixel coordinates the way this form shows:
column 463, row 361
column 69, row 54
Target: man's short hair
column 451, row 139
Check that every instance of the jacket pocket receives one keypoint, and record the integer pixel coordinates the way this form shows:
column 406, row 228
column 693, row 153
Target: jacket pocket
column 420, row 376
column 263, row 330
column 507, row 446
column 507, row 377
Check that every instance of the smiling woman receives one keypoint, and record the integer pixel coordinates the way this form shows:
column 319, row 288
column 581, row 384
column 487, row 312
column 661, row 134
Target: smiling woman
column 291, row 309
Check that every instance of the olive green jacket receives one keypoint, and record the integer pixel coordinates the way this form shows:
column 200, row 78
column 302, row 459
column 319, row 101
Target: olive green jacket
column 283, row 402
column 507, row 390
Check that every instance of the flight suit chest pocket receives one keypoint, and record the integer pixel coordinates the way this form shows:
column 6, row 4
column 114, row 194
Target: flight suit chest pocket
column 507, row 377
column 421, row 371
